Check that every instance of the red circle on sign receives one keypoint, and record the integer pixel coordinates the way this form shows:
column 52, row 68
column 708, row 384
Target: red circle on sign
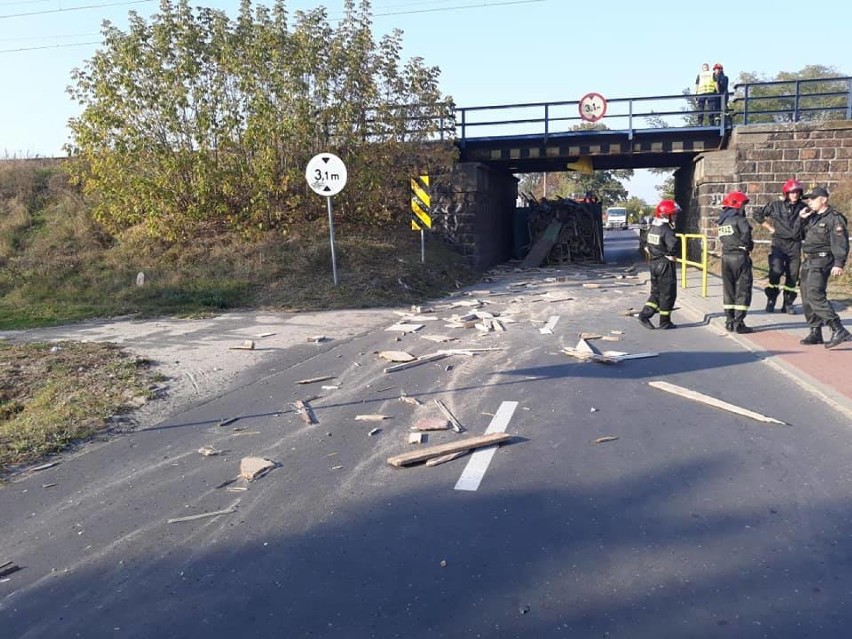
column 592, row 107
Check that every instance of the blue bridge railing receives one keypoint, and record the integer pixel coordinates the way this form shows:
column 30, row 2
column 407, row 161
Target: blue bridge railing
column 750, row 103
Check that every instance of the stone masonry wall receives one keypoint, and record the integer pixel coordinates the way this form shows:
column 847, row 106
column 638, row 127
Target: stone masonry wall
column 472, row 209
column 760, row 158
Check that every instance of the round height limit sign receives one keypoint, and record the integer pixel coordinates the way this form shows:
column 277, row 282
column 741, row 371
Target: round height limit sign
column 326, row 175
column 592, row 107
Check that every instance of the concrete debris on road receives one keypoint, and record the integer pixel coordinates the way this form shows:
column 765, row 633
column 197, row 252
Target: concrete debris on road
column 547, row 329
column 209, row 451
column 410, row 400
column 416, row 438
column 247, row 345
column 589, row 357
column 316, row 339
column 712, row 401
column 252, row 468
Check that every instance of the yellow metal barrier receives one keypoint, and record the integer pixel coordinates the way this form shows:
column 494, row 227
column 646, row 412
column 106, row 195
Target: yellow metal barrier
column 684, row 237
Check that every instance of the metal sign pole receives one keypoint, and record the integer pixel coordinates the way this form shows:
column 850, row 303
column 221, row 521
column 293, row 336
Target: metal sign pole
column 422, row 246
column 326, row 175
column 331, row 237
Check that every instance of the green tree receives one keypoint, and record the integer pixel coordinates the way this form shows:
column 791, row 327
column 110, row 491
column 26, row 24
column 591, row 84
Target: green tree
column 606, row 185
column 197, row 120
column 778, row 102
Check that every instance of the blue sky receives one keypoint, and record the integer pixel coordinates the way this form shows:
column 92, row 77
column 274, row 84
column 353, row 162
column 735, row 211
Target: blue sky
column 489, row 51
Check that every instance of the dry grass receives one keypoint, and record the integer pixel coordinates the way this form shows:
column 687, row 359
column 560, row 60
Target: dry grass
column 54, row 394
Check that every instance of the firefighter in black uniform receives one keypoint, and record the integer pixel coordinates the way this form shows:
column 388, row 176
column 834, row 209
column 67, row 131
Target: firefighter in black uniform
column 826, row 247
column 661, row 246
column 781, row 219
column 735, row 238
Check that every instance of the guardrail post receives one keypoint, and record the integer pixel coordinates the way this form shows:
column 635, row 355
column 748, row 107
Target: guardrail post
column 745, row 105
column 849, row 100
column 546, row 121
column 463, row 112
column 796, row 103
column 630, row 120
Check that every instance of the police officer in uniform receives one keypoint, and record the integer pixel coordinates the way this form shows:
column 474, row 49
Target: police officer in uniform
column 826, row 247
column 735, row 238
column 781, row 218
column 661, row 246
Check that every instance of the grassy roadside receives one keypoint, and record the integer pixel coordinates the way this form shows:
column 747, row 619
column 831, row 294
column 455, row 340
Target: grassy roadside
column 54, row 394
column 58, row 267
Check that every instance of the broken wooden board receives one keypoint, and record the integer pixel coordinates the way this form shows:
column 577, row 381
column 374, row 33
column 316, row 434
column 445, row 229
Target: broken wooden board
column 440, row 338
column 405, row 328
column 420, row 360
column 589, row 357
column 415, row 438
column 397, row 356
column 585, row 347
column 443, row 459
column 247, row 345
column 456, row 423
column 547, row 329
column 712, row 401
column 621, row 356
column 589, row 336
column 431, row 423
column 603, row 440
column 306, row 411
column 215, row 513
column 252, row 468
column 314, row 380
column 410, row 400
column 541, row 249
column 471, row 443
column 374, row 417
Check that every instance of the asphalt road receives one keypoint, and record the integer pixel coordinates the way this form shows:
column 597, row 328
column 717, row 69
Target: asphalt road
column 693, row 523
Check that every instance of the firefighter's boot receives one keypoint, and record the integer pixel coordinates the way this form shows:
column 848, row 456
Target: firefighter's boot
column 645, row 318
column 741, row 328
column 788, row 303
column 838, row 334
column 666, row 323
column 814, row 337
column 770, row 302
column 729, row 321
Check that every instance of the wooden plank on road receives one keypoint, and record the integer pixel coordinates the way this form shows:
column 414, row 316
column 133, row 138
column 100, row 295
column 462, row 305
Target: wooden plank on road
column 712, row 401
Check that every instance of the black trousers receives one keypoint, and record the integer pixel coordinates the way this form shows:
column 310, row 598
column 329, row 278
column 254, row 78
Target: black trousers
column 784, row 261
column 815, row 273
column 737, row 280
column 663, row 289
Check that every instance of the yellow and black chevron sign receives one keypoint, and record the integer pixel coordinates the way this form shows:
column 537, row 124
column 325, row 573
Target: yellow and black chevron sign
column 421, row 203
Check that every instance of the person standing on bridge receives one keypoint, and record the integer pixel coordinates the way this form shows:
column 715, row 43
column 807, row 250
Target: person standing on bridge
column 826, row 248
column 705, row 87
column 719, row 103
column 737, row 277
column 661, row 246
column 781, row 218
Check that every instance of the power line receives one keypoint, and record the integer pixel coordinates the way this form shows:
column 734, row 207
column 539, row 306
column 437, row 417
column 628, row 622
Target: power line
column 48, row 46
column 80, row 8
column 455, row 8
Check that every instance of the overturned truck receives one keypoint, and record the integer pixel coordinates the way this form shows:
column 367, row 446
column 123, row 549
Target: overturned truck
column 560, row 231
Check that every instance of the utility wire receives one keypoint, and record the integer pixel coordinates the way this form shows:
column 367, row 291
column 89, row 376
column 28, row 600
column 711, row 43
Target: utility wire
column 48, row 46
column 80, row 8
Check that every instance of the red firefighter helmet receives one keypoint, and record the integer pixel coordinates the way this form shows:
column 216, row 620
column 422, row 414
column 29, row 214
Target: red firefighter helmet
column 667, row 208
column 717, row 66
column 792, row 185
column 735, row 200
